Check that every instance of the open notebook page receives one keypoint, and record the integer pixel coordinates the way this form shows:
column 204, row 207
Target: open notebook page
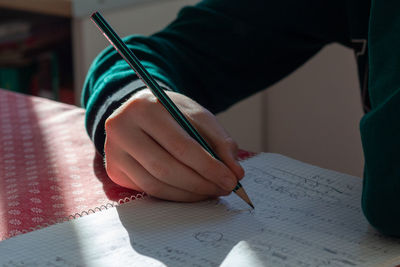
column 304, row 216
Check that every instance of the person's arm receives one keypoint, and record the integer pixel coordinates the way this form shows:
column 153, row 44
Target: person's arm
column 215, row 53
column 380, row 127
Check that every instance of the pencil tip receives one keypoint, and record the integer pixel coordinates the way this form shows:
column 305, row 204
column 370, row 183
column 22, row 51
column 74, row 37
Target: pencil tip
column 243, row 195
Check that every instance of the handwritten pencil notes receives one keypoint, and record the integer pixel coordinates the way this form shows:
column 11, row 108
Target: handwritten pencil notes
column 304, row 216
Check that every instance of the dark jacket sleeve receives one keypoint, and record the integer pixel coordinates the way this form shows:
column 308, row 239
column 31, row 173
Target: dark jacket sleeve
column 216, row 52
column 380, row 128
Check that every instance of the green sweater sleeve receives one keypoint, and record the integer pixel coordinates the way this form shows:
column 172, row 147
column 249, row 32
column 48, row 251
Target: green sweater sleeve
column 216, row 52
column 219, row 52
column 380, row 127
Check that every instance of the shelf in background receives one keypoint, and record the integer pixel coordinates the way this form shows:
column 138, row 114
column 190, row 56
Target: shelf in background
column 67, row 8
column 36, row 54
column 50, row 7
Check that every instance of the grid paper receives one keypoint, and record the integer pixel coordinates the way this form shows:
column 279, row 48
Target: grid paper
column 304, row 216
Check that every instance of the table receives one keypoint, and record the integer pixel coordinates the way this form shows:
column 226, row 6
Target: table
column 49, row 169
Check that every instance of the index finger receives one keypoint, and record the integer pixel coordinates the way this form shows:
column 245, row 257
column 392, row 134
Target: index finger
column 183, row 147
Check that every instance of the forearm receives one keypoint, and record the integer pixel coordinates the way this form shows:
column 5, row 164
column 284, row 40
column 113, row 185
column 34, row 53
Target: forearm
column 217, row 53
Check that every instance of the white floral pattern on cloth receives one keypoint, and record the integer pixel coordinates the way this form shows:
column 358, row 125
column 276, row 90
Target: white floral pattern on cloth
column 49, row 170
column 47, row 165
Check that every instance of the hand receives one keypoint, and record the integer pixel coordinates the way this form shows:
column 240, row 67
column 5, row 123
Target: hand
column 147, row 150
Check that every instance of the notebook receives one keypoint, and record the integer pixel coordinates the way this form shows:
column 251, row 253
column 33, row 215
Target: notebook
column 304, row 216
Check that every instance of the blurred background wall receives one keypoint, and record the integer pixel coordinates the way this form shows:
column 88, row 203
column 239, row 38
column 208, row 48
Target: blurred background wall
column 312, row 115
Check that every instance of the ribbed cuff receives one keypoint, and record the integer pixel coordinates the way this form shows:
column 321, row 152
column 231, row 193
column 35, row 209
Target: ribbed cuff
column 107, row 106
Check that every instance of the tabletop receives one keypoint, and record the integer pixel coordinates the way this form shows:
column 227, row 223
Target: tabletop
column 50, row 171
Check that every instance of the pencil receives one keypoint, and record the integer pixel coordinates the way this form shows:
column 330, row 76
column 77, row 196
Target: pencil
column 155, row 88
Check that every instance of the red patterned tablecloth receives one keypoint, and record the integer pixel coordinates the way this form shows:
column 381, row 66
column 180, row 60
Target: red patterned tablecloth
column 49, row 170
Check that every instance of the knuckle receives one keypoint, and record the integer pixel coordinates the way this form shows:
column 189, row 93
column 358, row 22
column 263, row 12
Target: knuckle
column 139, row 104
column 142, row 101
column 137, row 110
column 142, row 108
column 113, row 126
column 137, row 107
column 158, row 169
column 230, row 143
column 109, row 124
column 144, row 94
column 180, row 148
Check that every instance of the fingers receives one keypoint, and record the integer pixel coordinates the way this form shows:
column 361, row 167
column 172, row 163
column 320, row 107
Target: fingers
column 216, row 136
column 184, row 148
column 128, row 170
column 162, row 166
column 121, row 178
column 112, row 156
column 147, row 150
column 225, row 147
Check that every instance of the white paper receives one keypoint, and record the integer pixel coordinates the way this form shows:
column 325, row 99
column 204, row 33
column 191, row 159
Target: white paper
column 304, row 216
